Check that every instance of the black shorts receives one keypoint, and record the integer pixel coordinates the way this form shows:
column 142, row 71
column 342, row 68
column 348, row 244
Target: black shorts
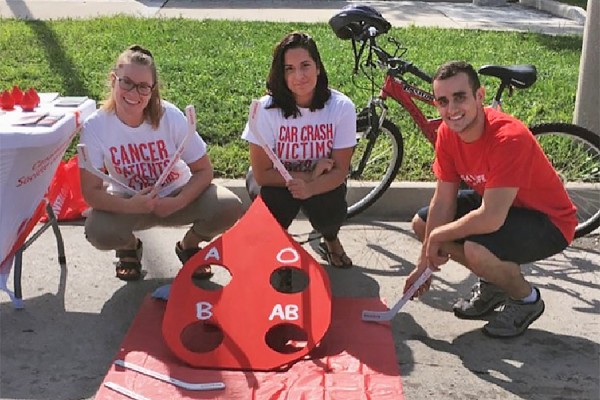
column 526, row 235
column 326, row 211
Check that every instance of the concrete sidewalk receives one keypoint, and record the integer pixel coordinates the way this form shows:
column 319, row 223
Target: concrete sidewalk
column 464, row 15
column 61, row 345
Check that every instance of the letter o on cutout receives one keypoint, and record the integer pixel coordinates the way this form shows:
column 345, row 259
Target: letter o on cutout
column 295, row 256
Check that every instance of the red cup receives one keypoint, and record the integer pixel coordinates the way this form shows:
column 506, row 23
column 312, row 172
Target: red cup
column 17, row 94
column 7, row 102
column 35, row 96
column 28, row 102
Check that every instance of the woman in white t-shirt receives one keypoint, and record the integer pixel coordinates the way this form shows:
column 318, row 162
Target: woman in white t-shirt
column 133, row 137
column 311, row 128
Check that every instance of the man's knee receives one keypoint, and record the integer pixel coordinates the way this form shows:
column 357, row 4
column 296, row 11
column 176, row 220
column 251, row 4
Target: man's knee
column 418, row 227
column 478, row 257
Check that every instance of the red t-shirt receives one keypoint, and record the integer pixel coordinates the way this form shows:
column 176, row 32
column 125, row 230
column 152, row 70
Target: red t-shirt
column 506, row 155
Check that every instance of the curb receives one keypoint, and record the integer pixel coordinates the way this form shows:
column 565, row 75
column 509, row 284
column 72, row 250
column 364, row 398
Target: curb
column 398, row 203
column 559, row 9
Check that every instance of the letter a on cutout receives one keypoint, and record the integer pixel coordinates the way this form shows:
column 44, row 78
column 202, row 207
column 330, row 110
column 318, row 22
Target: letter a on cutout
column 213, row 252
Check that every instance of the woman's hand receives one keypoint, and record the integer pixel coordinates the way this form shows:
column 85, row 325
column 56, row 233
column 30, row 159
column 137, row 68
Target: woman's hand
column 299, row 189
column 323, row 166
column 143, row 202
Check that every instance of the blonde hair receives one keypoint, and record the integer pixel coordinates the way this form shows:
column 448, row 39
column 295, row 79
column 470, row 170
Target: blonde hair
column 137, row 55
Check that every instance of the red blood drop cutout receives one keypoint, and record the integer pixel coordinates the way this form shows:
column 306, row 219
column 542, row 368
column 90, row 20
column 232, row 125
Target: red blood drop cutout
column 248, row 324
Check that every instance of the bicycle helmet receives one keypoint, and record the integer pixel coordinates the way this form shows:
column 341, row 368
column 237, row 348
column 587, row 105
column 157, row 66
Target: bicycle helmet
column 351, row 21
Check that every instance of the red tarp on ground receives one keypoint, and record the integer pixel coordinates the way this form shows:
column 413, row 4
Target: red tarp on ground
column 355, row 360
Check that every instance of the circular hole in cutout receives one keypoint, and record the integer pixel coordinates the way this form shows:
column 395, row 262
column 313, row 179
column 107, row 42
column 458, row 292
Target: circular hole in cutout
column 289, row 280
column 217, row 281
column 201, row 337
column 286, row 338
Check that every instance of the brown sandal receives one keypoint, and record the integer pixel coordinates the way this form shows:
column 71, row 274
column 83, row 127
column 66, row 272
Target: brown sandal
column 129, row 270
column 337, row 260
column 185, row 254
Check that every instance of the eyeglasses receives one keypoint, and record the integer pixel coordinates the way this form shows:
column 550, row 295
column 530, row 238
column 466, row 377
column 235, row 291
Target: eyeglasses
column 127, row 84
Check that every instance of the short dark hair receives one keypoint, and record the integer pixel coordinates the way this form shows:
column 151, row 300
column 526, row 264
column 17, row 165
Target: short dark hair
column 452, row 68
column 282, row 96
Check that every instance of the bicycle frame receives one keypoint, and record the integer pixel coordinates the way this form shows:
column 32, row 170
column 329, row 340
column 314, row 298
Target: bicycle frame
column 404, row 93
column 378, row 134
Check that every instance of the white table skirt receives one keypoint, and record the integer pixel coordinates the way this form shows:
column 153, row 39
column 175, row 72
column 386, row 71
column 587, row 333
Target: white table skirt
column 29, row 157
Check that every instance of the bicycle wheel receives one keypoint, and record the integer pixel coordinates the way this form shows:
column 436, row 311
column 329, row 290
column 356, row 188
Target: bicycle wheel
column 575, row 154
column 375, row 163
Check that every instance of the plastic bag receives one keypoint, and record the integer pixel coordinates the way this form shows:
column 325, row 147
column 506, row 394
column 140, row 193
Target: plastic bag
column 64, row 192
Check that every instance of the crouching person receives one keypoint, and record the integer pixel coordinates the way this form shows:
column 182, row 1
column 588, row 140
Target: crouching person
column 517, row 211
column 133, row 137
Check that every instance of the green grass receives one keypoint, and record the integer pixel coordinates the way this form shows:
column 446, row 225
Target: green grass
column 578, row 3
column 219, row 66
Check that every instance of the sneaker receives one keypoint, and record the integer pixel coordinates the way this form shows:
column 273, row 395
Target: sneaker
column 485, row 297
column 515, row 317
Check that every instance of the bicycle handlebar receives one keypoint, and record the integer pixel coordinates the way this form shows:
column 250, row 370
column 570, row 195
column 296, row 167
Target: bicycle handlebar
column 395, row 64
column 418, row 73
column 520, row 76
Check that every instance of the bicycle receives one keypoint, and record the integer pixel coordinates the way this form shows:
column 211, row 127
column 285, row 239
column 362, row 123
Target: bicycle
column 573, row 151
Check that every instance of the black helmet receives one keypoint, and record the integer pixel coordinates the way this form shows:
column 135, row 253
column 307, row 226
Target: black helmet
column 351, row 21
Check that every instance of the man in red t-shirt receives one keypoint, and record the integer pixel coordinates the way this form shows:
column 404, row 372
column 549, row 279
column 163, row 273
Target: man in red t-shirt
column 516, row 212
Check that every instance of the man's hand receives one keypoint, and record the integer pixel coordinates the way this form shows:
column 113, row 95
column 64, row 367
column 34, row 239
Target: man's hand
column 412, row 278
column 433, row 253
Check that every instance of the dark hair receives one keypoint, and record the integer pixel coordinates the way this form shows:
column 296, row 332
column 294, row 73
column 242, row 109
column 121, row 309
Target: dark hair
column 452, row 68
column 282, row 96
column 136, row 54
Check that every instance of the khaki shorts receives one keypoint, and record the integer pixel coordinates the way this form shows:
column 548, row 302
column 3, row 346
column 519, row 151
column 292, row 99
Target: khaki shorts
column 212, row 213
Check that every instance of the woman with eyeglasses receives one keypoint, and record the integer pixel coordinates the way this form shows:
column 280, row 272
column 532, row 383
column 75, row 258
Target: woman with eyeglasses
column 133, row 137
column 311, row 128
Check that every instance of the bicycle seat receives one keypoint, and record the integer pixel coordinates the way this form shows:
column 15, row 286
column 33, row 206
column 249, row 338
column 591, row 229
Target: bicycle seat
column 351, row 21
column 519, row 76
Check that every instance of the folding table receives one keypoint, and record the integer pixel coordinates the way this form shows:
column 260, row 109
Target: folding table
column 29, row 156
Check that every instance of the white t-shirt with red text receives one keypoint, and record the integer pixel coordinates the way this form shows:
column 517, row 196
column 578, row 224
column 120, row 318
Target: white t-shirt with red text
column 300, row 142
column 137, row 156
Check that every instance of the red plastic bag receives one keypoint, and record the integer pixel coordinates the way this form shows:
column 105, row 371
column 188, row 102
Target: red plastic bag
column 64, row 192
